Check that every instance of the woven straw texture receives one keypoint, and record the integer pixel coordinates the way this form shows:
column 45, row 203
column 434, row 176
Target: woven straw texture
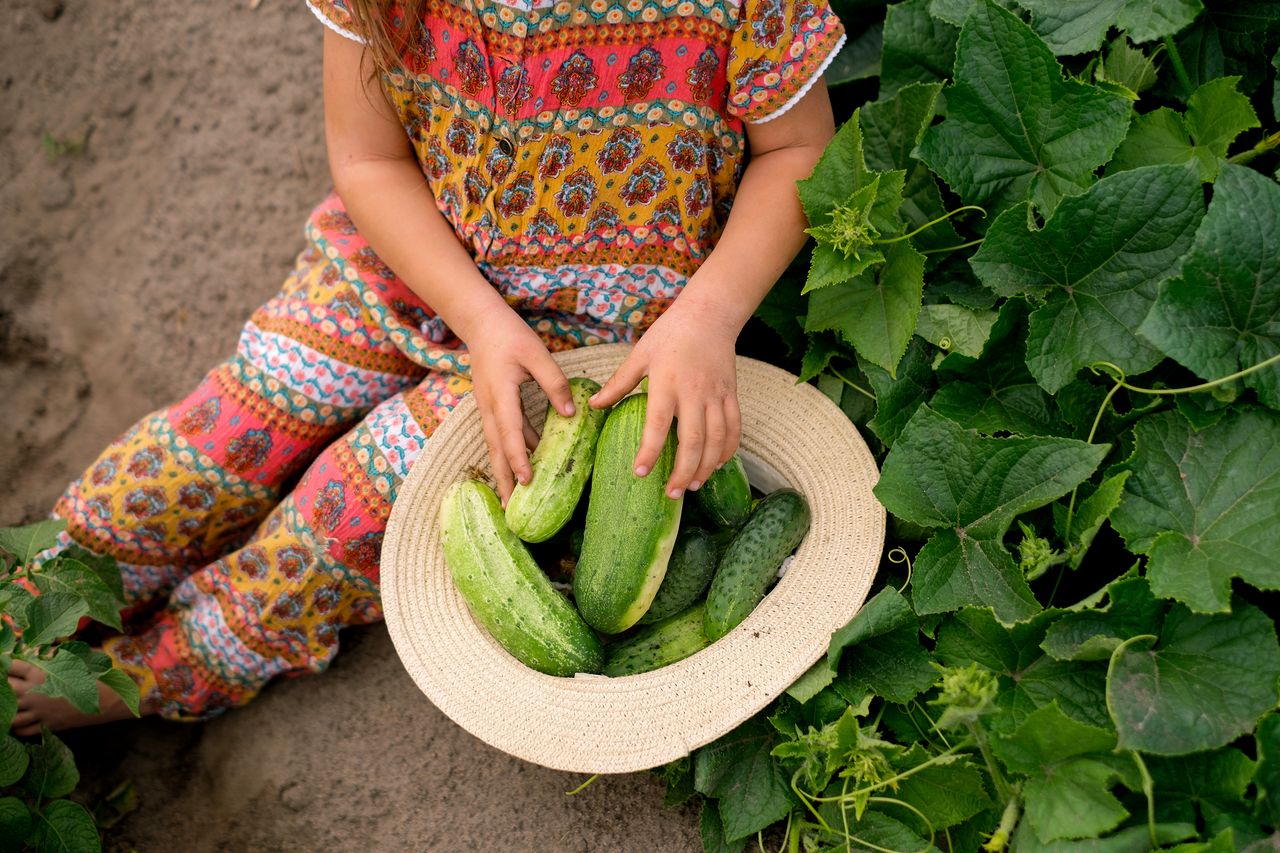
column 791, row 435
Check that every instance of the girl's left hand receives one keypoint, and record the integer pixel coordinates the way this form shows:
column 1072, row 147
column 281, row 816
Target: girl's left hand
column 689, row 359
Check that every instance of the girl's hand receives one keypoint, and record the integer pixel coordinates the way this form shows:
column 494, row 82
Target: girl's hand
column 688, row 355
column 503, row 356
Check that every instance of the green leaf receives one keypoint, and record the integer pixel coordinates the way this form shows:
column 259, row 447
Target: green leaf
column 123, row 686
column 738, row 770
column 893, row 665
column 71, row 576
column 13, row 759
column 15, row 824
column 1127, row 66
column 1096, row 265
column 68, row 676
column 947, row 793
column 8, row 704
column 1016, row 130
column 955, row 328
column 1028, row 679
column 678, row 776
column 1223, row 313
column 1070, row 772
column 1093, row 634
column 1090, row 515
column 828, row 265
column 876, row 828
column 1216, row 114
column 875, row 312
column 65, row 827
column 1214, row 782
column 783, row 311
column 818, row 354
column 841, row 173
column 50, row 617
column 1267, row 776
column 1133, row 839
column 711, row 831
column 813, row 682
column 918, row 48
column 886, row 611
column 52, row 771
column 940, row 475
column 14, row 601
column 1081, row 25
column 101, row 565
column 1205, row 506
column 859, row 59
column 1203, row 683
column 892, row 128
column 30, row 539
column 897, row 398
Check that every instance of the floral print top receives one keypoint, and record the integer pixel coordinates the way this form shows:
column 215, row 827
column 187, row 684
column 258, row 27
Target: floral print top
column 587, row 151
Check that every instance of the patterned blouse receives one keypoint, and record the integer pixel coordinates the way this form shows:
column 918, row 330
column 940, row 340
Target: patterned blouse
column 587, row 151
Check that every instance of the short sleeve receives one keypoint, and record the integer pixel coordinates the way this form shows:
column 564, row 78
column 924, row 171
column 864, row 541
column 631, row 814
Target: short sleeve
column 779, row 50
column 336, row 15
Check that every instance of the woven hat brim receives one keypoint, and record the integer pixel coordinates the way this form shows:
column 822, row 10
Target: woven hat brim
column 791, row 435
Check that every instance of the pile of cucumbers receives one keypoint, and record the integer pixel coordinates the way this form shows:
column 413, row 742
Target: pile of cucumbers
column 684, row 588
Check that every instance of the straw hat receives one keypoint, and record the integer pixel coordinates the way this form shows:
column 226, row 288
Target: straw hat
column 791, row 435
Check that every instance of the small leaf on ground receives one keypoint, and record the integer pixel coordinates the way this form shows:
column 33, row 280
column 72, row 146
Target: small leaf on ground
column 1205, row 506
column 1097, row 265
column 1015, row 129
column 941, row 475
column 1203, row 683
column 711, row 831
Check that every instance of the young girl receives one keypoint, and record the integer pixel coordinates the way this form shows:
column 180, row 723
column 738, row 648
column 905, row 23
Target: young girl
column 512, row 178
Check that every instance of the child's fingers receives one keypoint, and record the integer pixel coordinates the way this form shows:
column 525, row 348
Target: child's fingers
column 733, row 428
column 691, row 432
column 550, row 377
column 508, row 420
column 623, row 380
column 531, row 437
column 657, row 423
column 497, row 459
column 20, row 669
column 713, row 447
column 25, row 723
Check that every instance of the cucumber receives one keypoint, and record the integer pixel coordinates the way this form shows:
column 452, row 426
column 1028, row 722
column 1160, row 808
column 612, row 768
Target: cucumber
column 693, row 562
column 561, row 465
column 506, row 591
column 726, row 496
column 753, row 558
column 673, row 639
column 631, row 525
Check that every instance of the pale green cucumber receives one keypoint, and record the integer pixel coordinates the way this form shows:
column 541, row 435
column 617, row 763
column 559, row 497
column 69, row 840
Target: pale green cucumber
column 631, row 525
column 506, row 591
column 561, row 465
column 693, row 562
column 725, row 497
column 753, row 558
column 673, row 639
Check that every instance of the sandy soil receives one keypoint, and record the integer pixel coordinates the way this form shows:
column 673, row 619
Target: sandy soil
column 157, row 161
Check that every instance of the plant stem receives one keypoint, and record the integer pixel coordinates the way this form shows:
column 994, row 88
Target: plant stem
column 1002, row 785
column 582, row 787
column 1008, row 822
column 1178, row 68
column 1119, row 376
column 1148, row 788
column 951, row 248
column 1261, row 148
column 854, row 385
column 898, row 556
column 944, row 217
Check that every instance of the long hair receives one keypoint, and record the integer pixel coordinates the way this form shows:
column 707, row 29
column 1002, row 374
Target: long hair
column 390, row 27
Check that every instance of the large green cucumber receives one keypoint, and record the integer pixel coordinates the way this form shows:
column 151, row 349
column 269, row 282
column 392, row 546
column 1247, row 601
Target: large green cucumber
column 753, row 558
column 631, row 524
column 726, row 496
column 506, row 591
column 673, row 639
column 561, row 465
column 693, row 562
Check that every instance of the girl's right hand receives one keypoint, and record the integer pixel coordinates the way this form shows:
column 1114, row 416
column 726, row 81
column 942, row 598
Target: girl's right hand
column 504, row 353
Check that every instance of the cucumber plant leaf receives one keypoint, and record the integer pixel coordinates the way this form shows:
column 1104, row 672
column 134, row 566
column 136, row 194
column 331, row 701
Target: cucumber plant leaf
column 1212, row 782
column 1094, row 633
column 711, row 831
column 1222, row 314
column 946, row 794
column 918, row 48
column 1204, row 681
column 1204, row 506
column 898, row 397
column 1070, row 769
column 1016, row 130
column 955, row 328
column 1081, row 25
column 1096, row 265
column 939, row 474
column 738, row 770
column 1267, row 775
column 1216, row 114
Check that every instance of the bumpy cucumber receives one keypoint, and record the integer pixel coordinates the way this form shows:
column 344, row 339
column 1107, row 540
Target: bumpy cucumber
column 506, row 591
column 753, row 558
column 673, row 639
column 693, row 562
column 561, row 465
column 631, row 525
column 726, row 496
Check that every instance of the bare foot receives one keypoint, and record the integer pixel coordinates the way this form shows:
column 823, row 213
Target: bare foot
column 37, row 709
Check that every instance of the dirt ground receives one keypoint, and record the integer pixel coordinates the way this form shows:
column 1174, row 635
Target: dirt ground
column 157, row 161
